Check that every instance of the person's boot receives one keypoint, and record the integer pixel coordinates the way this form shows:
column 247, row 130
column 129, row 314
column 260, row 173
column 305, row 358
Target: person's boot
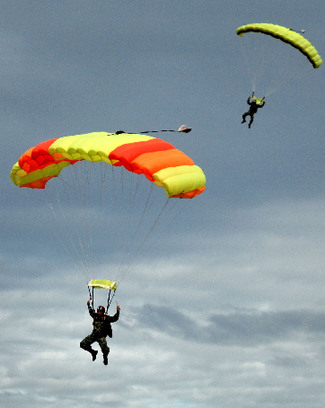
column 105, row 356
column 94, row 354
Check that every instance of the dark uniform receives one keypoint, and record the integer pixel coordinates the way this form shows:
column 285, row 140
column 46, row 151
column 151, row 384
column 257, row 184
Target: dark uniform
column 253, row 107
column 101, row 329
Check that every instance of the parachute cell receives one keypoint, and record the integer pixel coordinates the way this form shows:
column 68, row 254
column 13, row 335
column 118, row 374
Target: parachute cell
column 159, row 161
column 286, row 35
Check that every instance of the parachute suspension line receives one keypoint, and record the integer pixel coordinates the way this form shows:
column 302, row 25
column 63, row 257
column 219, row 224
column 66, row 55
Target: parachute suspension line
column 118, row 195
column 59, row 216
column 74, row 235
column 258, row 59
column 56, row 221
column 129, row 203
column 144, row 211
column 248, row 65
column 158, row 131
column 81, row 232
column 110, row 296
column 76, row 241
column 155, row 222
column 263, row 60
column 87, row 230
column 115, row 191
column 173, row 211
column 298, row 69
column 132, row 239
column 103, row 182
column 91, row 296
column 139, row 248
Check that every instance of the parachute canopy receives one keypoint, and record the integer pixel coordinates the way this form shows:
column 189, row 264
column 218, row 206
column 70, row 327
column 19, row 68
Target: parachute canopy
column 158, row 160
column 286, row 35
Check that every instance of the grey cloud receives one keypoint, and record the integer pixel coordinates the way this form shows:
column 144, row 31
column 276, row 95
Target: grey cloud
column 240, row 328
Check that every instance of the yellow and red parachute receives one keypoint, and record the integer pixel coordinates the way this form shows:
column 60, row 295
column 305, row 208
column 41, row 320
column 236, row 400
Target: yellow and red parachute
column 158, row 160
column 104, row 199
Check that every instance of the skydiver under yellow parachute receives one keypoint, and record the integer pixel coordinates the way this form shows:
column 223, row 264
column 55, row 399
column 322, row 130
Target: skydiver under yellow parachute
column 101, row 329
column 289, row 36
column 254, row 104
column 101, row 319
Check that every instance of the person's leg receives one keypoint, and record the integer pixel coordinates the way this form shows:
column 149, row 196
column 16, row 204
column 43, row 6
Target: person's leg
column 105, row 349
column 244, row 117
column 86, row 345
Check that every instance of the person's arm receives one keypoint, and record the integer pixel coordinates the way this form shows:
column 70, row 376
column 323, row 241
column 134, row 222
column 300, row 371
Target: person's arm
column 116, row 316
column 90, row 309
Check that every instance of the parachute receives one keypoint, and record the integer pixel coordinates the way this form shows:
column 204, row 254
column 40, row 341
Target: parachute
column 157, row 159
column 96, row 217
column 286, row 35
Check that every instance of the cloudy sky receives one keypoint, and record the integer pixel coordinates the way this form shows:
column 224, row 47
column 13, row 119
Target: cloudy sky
column 224, row 306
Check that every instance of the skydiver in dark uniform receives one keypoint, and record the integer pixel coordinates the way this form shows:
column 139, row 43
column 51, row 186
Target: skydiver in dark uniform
column 101, row 329
column 253, row 107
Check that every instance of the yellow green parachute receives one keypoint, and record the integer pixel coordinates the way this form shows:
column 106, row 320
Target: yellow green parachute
column 286, row 35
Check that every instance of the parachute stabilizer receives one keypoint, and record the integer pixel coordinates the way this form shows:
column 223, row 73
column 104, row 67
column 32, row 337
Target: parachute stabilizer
column 182, row 129
column 286, row 35
column 102, row 284
column 111, row 287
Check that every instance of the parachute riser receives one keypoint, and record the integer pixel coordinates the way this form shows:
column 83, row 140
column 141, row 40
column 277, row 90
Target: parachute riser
column 91, row 295
column 182, row 129
column 110, row 296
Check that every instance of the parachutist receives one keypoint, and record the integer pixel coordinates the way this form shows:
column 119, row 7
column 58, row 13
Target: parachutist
column 101, row 329
column 254, row 105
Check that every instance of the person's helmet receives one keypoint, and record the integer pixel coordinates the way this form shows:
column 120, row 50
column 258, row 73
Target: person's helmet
column 100, row 309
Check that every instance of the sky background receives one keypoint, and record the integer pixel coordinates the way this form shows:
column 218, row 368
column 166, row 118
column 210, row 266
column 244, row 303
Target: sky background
column 225, row 306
